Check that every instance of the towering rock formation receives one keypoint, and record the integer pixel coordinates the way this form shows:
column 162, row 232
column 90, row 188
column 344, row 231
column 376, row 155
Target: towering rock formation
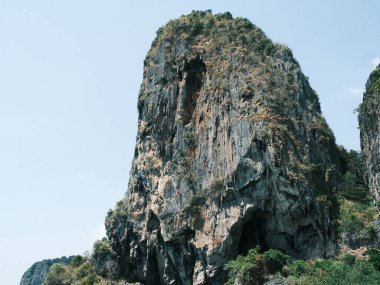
column 369, row 122
column 232, row 152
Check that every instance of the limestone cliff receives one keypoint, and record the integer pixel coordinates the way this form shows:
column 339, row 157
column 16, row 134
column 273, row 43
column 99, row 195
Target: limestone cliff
column 232, row 152
column 369, row 122
column 36, row 274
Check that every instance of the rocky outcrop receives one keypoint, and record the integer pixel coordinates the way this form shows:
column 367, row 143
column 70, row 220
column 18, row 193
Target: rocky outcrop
column 369, row 123
column 232, row 152
column 36, row 274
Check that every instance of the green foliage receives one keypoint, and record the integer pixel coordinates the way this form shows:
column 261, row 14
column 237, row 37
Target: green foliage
column 217, row 185
column 77, row 261
column 256, row 268
column 118, row 215
column 348, row 258
column 357, row 218
column 274, row 261
column 374, row 78
column 101, row 248
column 105, row 260
column 353, row 187
column 79, row 272
column 253, row 267
column 374, row 257
column 222, row 28
column 357, row 213
column 321, row 272
column 325, row 196
column 196, row 203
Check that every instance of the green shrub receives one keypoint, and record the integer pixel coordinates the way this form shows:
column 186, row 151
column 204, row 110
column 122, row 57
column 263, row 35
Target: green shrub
column 196, row 203
column 104, row 259
column 79, row 272
column 349, row 259
column 274, row 261
column 374, row 257
column 77, row 261
column 256, row 268
column 357, row 219
column 253, row 267
column 217, row 185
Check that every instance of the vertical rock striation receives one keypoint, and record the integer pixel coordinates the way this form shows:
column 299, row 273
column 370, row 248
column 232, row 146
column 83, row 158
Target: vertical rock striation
column 232, row 152
column 369, row 122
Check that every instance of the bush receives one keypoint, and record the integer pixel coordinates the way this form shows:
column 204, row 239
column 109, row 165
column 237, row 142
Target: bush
column 79, row 272
column 357, row 219
column 253, row 267
column 217, row 185
column 77, row 261
column 256, row 268
column 349, row 259
column 105, row 260
column 352, row 189
column 374, row 257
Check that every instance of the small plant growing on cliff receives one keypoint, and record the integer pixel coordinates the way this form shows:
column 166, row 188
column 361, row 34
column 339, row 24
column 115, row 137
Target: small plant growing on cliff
column 190, row 140
column 118, row 214
column 217, row 185
column 195, row 204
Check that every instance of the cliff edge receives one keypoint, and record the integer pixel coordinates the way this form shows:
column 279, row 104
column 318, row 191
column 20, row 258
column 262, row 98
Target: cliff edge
column 232, row 152
column 369, row 123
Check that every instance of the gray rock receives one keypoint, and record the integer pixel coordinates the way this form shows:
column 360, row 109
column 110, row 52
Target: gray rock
column 369, row 123
column 232, row 151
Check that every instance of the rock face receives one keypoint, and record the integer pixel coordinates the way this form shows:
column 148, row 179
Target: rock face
column 369, row 122
column 36, row 274
column 232, row 152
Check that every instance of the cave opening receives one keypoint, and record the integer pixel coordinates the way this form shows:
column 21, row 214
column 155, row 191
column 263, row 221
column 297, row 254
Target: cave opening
column 154, row 273
column 253, row 233
column 195, row 70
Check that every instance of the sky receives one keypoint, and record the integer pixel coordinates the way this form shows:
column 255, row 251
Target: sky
column 70, row 73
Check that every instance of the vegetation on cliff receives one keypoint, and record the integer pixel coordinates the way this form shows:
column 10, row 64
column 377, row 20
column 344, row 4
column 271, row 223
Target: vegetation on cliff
column 232, row 151
column 357, row 211
column 99, row 269
column 232, row 154
column 36, row 274
column 274, row 266
column 357, row 229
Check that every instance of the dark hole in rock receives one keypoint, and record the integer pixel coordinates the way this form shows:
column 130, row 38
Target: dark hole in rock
column 153, row 269
column 153, row 222
column 195, row 69
column 247, row 96
column 180, row 75
column 253, row 233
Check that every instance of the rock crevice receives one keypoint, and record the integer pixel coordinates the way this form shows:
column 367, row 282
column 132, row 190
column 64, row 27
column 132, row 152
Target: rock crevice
column 232, row 151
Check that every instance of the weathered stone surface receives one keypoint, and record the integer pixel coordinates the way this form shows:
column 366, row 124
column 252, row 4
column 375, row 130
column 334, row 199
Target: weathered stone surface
column 232, row 152
column 36, row 274
column 369, row 122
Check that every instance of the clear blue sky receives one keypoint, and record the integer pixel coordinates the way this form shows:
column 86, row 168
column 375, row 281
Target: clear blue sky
column 69, row 77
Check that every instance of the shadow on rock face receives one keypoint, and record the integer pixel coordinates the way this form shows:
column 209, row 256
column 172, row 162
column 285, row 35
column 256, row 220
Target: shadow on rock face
column 253, row 233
